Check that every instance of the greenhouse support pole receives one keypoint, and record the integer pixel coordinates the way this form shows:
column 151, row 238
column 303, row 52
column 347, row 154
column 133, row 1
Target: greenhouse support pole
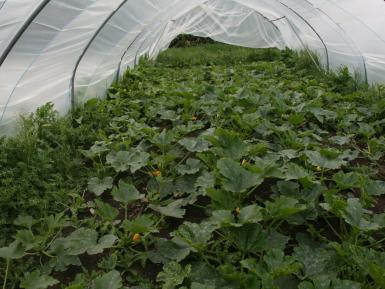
column 267, row 19
column 3, row 4
column 137, row 51
column 360, row 21
column 21, row 31
column 125, row 52
column 314, row 30
column 72, row 84
column 347, row 35
column 303, row 44
column 270, row 21
column 162, row 34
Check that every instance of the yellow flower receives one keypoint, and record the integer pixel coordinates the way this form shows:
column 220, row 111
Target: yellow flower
column 156, row 173
column 237, row 211
column 136, row 238
column 318, row 169
column 194, row 118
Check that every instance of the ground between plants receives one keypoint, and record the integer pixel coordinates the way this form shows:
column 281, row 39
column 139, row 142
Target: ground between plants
column 212, row 167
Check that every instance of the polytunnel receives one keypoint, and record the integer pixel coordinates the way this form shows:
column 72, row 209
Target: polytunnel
column 68, row 51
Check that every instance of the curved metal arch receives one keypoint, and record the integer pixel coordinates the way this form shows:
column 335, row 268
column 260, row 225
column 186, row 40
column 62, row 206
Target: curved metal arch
column 128, row 48
column 359, row 20
column 72, row 83
column 144, row 41
column 89, row 44
column 132, row 43
column 160, row 36
column 368, row 27
column 256, row 11
column 3, row 4
column 347, row 35
column 203, row 3
column 302, row 43
column 21, row 31
column 314, row 30
column 253, row 11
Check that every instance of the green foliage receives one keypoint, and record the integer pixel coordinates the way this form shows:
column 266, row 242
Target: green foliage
column 111, row 280
column 36, row 281
column 237, row 179
column 210, row 54
column 186, row 40
column 173, row 275
column 99, row 186
column 126, row 193
column 211, row 167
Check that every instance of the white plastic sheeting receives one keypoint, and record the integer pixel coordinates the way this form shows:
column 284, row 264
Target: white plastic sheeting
column 67, row 51
column 11, row 23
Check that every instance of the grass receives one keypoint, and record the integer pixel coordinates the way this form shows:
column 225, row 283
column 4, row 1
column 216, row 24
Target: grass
column 212, row 167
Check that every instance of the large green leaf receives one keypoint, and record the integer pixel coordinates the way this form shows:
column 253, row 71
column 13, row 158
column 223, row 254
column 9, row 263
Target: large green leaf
column 194, row 235
column 195, row 144
column 173, row 209
column 250, row 238
column 99, row 186
column 374, row 187
column 141, row 224
column 223, row 219
column 237, row 179
column 250, row 214
column 354, row 215
column 316, row 261
column 223, row 200
column 295, row 172
column 111, row 280
column 119, row 160
column 106, row 211
column 280, row 265
column 14, row 251
column 172, row 250
column 191, row 167
column 25, row 221
column 83, row 240
column 326, row 161
column 80, row 241
column 205, row 181
column 104, row 242
column 228, row 144
column 138, row 160
column 35, row 280
column 283, row 207
column 123, row 160
column 96, row 150
column 126, row 193
column 173, row 274
column 163, row 139
column 346, row 180
column 27, row 239
column 366, row 130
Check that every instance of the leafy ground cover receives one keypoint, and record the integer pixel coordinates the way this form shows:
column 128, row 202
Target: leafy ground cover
column 186, row 40
column 212, row 167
